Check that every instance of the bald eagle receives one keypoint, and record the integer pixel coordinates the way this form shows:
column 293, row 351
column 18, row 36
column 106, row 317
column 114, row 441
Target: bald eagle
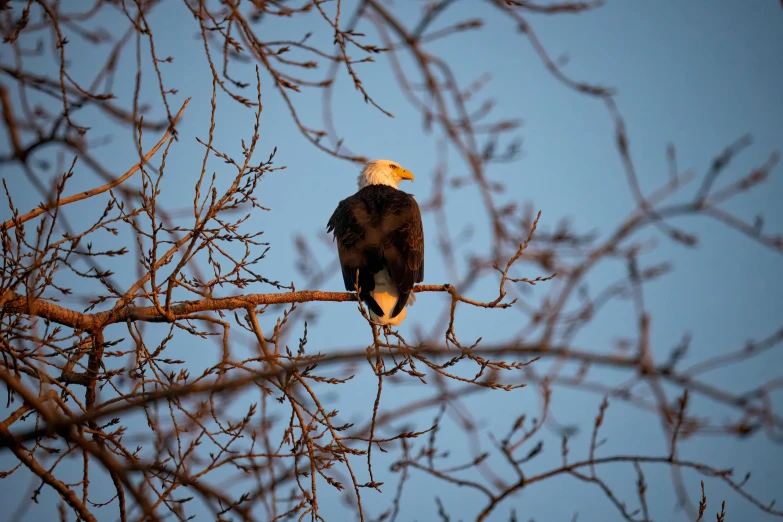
column 380, row 238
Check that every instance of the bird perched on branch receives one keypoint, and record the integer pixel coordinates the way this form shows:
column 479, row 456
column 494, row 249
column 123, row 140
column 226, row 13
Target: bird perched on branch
column 380, row 241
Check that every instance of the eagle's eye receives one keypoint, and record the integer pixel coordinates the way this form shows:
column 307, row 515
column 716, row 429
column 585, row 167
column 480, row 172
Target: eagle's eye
column 393, row 167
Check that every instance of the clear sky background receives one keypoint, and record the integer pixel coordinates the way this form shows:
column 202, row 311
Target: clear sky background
column 698, row 74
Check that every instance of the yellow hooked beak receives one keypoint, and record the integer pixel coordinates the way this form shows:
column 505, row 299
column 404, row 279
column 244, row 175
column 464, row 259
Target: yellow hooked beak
column 406, row 174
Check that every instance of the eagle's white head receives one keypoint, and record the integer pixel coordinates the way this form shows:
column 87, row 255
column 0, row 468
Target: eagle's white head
column 383, row 172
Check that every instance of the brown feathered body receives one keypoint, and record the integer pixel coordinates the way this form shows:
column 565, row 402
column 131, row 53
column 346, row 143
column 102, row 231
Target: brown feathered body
column 380, row 241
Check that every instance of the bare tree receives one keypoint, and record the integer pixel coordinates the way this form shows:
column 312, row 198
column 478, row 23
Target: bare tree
column 97, row 361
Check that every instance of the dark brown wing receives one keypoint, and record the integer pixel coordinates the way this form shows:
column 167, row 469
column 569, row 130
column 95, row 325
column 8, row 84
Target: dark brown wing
column 379, row 227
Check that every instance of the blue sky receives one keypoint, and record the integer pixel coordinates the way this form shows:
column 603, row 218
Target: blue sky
column 696, row 74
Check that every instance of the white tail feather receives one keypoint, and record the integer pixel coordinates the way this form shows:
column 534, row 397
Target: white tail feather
column 386, row 294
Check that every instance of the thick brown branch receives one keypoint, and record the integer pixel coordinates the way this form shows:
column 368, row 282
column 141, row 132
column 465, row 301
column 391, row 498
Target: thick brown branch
column 90, row 322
